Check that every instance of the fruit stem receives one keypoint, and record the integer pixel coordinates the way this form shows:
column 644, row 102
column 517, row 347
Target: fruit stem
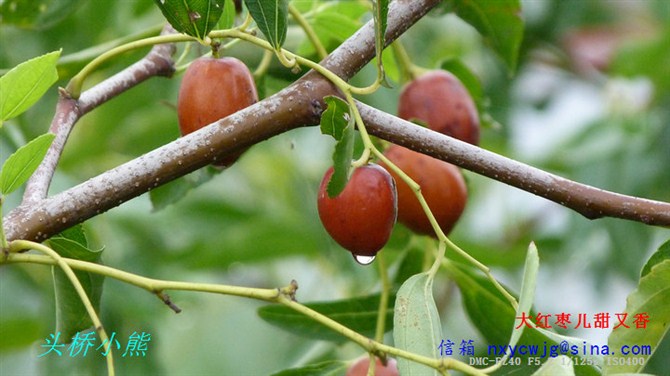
column 73, row 88
column 441, row 250
column 286, row 58
column 309, row 31
column 291, row 60
column 383, row 298
column 362, row 160
column 368, row 89
column 263, row 65
column 365, row 137
column 25, row 245
column 215, row 48
column 407, row 71
column 371, row 364
column 246, row 23
column 183, row 55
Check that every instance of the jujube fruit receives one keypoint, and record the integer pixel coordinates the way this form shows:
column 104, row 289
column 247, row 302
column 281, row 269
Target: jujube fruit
column 442, row 185
column 360, row 367
column 440, row 100
column 362, row 216
column 211, row 90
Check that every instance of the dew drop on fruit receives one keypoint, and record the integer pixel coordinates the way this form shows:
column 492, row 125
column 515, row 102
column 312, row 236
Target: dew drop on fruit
column 364, row 260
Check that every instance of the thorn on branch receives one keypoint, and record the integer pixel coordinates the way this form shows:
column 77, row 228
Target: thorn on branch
column 166, row 299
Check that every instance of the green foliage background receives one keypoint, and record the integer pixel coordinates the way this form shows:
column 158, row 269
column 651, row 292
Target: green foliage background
column 256, row 224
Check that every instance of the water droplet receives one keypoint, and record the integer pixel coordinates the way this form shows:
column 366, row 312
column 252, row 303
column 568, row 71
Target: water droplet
column 364, row 260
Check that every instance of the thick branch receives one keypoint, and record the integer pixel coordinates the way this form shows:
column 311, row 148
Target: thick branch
column 588, row 201
column 298, row 105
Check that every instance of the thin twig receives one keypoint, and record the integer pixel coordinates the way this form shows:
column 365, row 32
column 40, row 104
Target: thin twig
column 284, row 296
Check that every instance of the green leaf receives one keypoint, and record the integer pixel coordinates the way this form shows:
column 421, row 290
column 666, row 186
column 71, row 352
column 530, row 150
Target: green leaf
column 344, row 151
column 416, row 323
column 26, row 83
column 335, row 118
column 662, row 254
column 193, row 17
column 380, row 15
column 499, row 22
column 338, row 122
column 527, row 290
column 271, row 16
column 358, row 314
column 329, row 368
column 167, row 194
column 559, row 366
column 227, row 19
column 36, row 14
column 18, row 168
column 335, row 25
column 71, row 315
column 77, row 235
column 333, row 22
column 652, row 297
column 19, row 331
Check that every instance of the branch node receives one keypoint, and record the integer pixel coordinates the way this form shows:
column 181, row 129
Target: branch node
column 289, row 291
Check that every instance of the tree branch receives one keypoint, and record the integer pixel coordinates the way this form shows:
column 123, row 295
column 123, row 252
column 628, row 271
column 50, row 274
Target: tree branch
column 301, row 104
column 590, row 202
column 158, row 62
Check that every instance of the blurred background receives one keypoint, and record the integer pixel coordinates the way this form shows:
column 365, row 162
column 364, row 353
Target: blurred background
column 590, row 101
